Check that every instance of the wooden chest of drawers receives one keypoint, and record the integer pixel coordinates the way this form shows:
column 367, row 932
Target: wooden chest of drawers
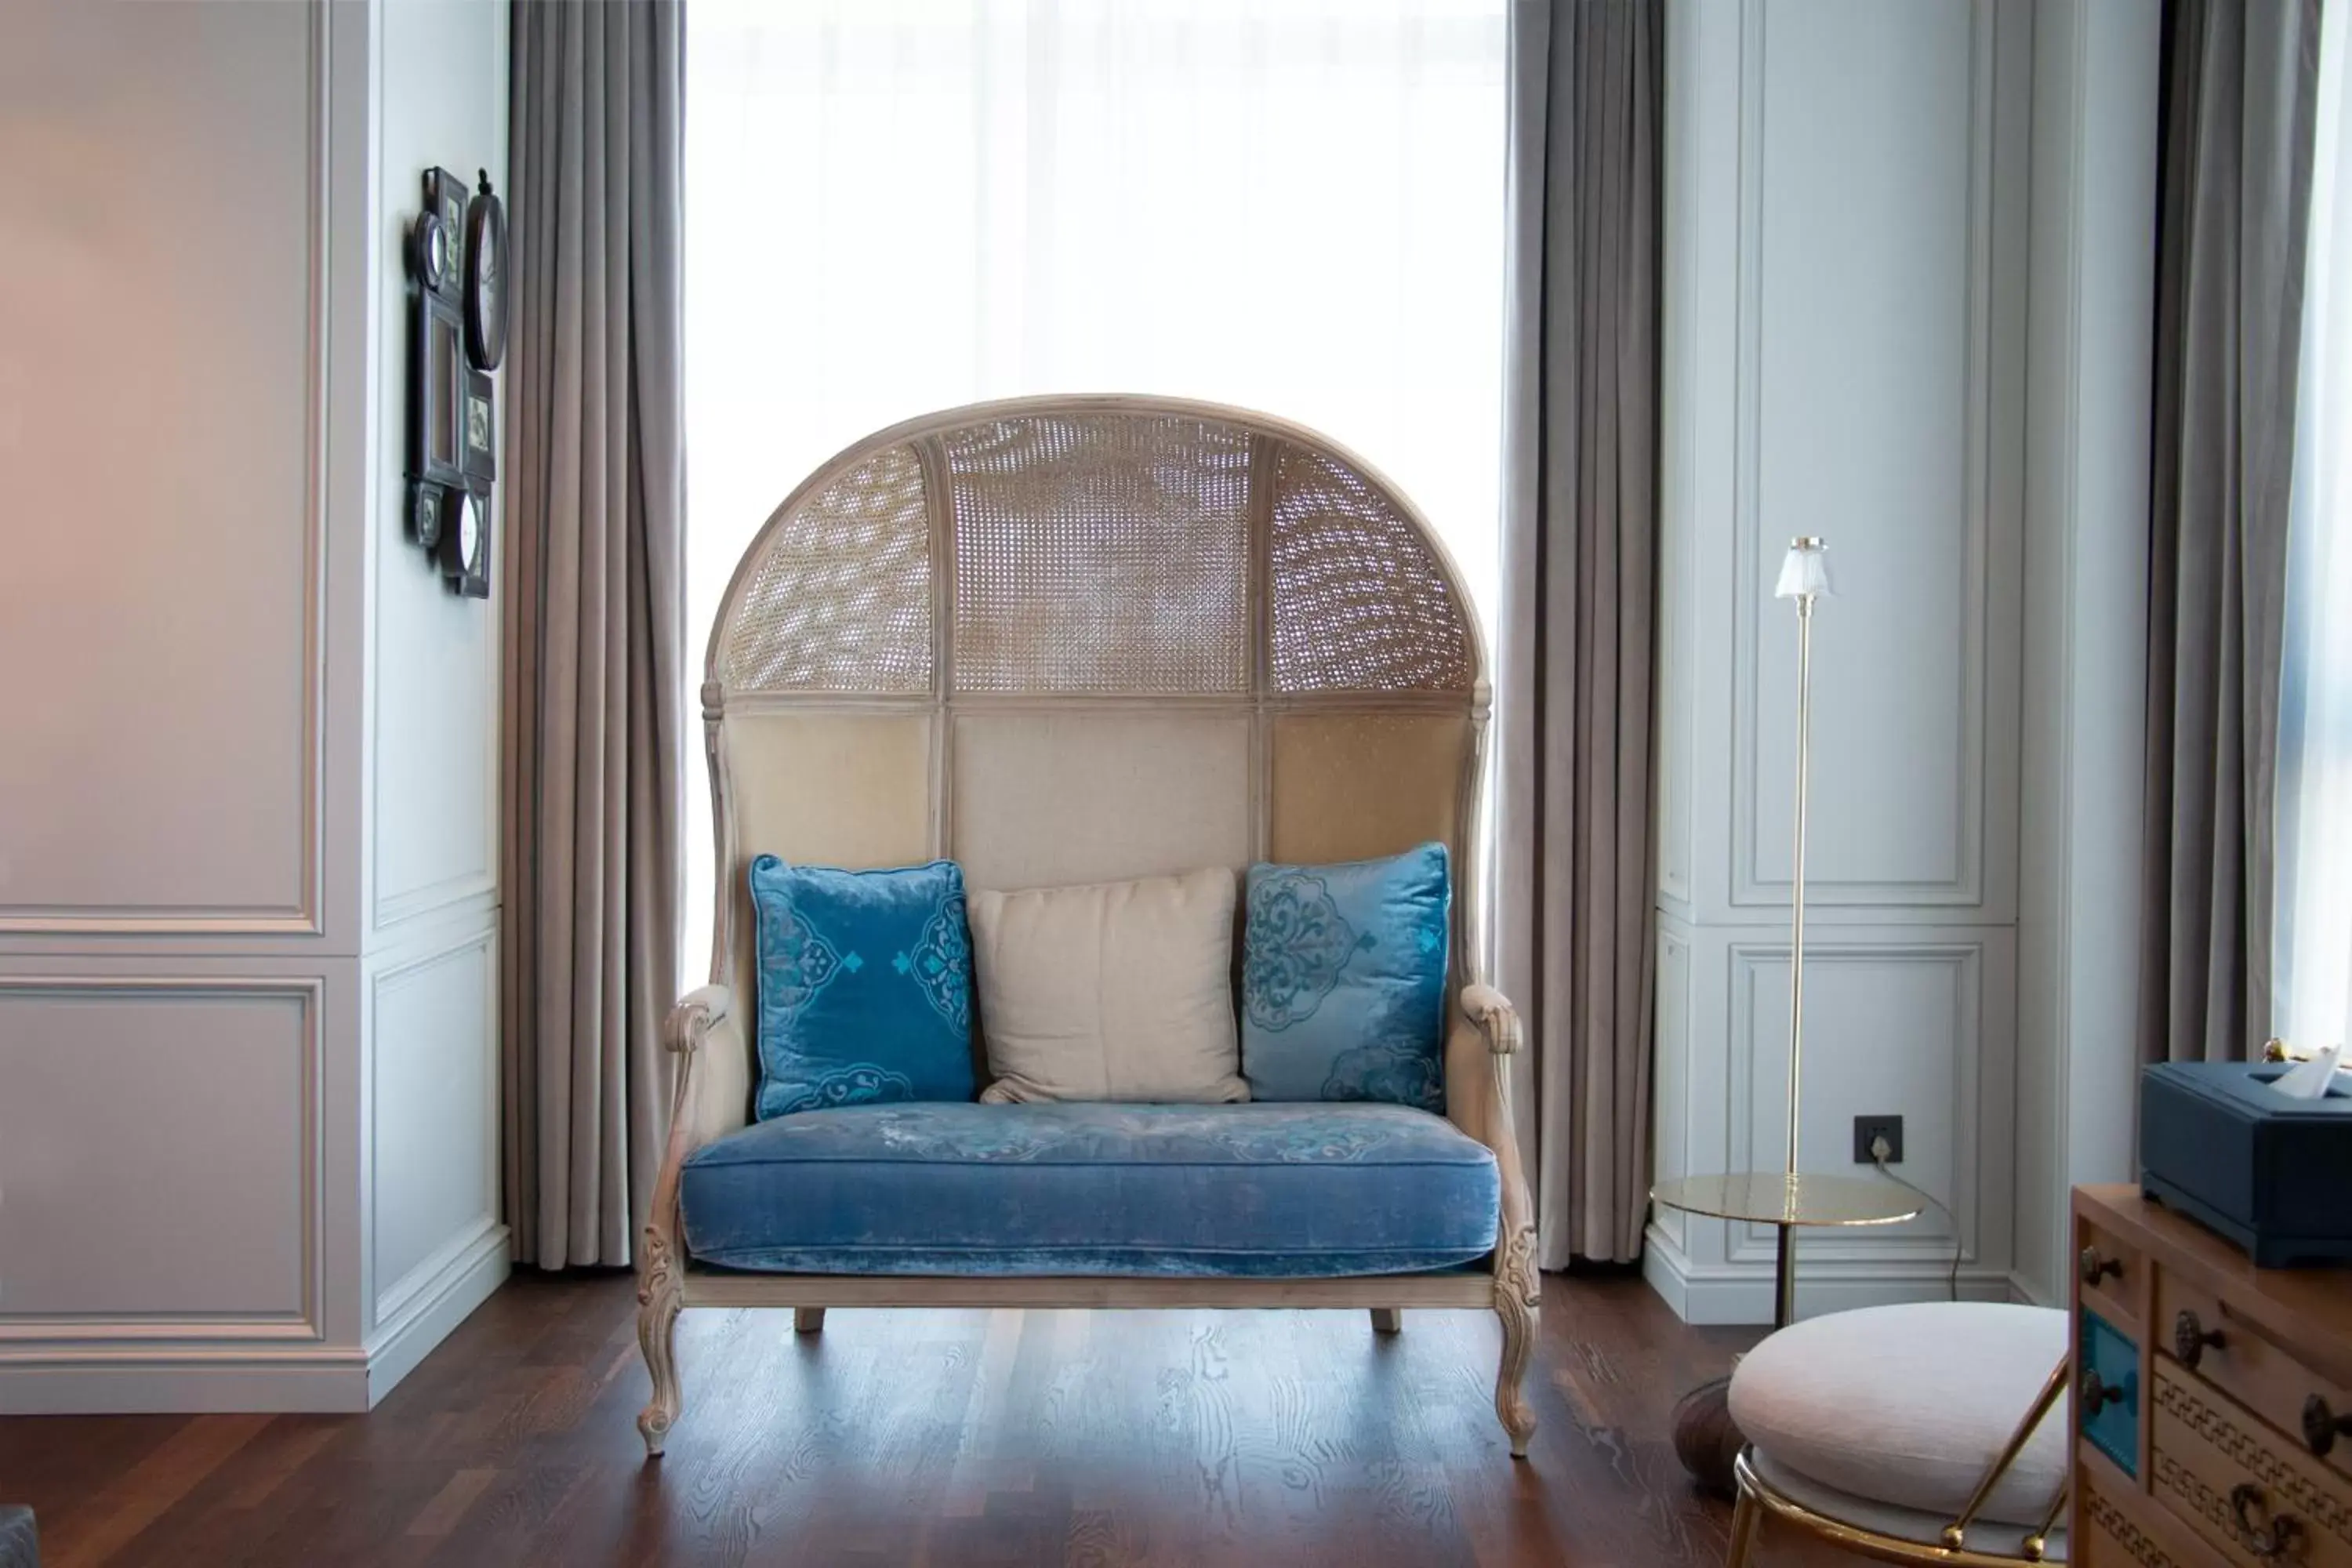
column 2212, row 1399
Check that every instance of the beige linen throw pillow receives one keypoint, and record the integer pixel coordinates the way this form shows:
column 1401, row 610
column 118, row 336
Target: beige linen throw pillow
column 1119, row 990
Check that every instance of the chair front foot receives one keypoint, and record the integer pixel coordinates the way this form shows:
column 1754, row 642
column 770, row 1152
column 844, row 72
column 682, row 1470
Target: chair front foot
column 1519, row 1300
column 658, row 1300
column 808, row 1320
column 1388, row 1320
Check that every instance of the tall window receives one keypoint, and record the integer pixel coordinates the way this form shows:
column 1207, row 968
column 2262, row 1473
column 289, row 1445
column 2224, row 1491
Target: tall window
column 899, row 206
column 2312, row 969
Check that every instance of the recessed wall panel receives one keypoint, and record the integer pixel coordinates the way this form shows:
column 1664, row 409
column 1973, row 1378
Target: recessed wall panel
column 156, row 1146
column 158, row 427
column 433, row 1051
column 1862, row 389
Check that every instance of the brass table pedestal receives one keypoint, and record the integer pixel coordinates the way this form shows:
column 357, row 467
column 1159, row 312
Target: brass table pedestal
column 1705, row 1438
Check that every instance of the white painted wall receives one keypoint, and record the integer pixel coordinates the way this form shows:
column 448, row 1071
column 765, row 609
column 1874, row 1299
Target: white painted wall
column 2095, row 72
column 1845, row 320
column 247, row 805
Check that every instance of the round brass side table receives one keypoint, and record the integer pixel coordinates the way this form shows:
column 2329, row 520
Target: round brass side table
column 1704, row 1438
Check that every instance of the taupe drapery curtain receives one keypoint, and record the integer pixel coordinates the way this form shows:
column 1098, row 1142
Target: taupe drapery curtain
column 2240, row 80
column 1576, row 683
column 595, row 494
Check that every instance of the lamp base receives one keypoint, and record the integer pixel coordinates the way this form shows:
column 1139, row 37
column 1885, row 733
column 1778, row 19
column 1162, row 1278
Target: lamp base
column 1706, row 1441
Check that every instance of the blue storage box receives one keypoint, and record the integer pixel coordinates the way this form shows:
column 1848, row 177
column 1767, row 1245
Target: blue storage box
column 2271, row 1173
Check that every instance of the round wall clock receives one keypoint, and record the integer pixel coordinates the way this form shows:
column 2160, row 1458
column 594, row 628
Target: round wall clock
column 486, row 279
column 461, row 532
column 465, row 547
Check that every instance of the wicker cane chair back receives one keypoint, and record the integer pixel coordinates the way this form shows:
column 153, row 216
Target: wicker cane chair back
column 1071, row 639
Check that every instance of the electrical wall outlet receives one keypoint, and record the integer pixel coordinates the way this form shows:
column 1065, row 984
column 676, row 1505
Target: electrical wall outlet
column 1868, row 1130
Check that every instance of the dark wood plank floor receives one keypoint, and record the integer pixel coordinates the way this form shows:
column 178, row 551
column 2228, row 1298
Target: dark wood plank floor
column 948, row 1438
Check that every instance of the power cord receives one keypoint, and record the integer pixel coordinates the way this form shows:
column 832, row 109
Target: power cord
column 1879, row 1150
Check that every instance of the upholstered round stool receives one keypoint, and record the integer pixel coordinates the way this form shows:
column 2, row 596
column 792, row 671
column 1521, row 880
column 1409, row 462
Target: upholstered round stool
column 1914, row 1434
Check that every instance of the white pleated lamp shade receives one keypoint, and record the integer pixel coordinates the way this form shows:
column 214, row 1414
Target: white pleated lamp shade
column 1805, row 572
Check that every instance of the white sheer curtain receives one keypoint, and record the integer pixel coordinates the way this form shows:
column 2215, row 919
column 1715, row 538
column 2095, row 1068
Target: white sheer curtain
column 897, row 206
column 2312, row 968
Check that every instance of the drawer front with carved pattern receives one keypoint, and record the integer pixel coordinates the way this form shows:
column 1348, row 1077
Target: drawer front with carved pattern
column 2113, row 1534
column 2239, row 1358
column 2241, row 1485
column 2111, row 1273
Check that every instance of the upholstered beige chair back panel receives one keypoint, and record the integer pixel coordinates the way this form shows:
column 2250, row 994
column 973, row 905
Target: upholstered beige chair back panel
column 1076, row 640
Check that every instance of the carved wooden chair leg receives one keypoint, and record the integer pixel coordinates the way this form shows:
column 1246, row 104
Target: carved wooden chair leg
column 1518, row 1297
column 1747, row 1520
column 658, row 1301
column 1387, row 1320
column 808, row 1320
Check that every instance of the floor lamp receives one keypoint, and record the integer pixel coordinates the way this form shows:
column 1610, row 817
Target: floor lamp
column 1787, row 1198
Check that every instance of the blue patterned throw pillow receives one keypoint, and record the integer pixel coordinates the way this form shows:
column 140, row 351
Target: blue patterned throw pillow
column 865, row 985
column 1343, row 980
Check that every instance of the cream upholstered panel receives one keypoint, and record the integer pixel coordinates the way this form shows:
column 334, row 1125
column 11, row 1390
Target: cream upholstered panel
column 1055, row 799
column 831, row 789
column 1351, row 785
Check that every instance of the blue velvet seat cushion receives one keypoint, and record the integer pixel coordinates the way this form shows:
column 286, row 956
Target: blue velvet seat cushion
column 1343, row 980
column 1259, row 1191
column 865, row 985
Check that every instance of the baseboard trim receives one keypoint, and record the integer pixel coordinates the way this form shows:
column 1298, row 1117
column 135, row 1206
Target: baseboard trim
column 427, row 1312
column 1721, row 1295
column 67, row 1377
column 139, row 1380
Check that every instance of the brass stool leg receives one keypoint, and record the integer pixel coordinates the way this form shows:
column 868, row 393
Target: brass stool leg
column 1747, row 1523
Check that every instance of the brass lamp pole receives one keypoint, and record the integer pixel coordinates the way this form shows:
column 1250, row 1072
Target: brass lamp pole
column 1786, row 1198
column 1804, row 577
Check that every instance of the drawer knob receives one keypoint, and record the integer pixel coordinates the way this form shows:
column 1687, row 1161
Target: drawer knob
column 2097, row 1392
column 2190, row 1338
column 2322, row 1427
column 2095, row 1268
column 2261, row 1531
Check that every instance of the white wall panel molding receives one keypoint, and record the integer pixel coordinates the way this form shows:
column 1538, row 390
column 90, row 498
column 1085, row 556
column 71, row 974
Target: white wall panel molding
column 193, row 1208
column 437, row 1298
column 247, row 811
column 1844, row 349
column 1670, row 1088
column 1890, row 1028
column 432, row 1114
column 1880, row 222
column 2097, row 68
column 37, row 898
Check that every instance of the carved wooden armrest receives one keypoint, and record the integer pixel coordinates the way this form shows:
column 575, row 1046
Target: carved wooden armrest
column 1495, row 1017
column 696, row 1011
column 713, row 1095
column 1478, row 1093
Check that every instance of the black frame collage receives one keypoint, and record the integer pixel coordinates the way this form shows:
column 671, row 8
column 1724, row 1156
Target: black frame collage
column 457, row 262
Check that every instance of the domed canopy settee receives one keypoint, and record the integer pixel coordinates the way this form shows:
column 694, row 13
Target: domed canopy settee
column 1073, row 640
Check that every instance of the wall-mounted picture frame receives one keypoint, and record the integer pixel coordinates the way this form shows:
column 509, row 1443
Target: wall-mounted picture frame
column 479, row 418
column 426, row 501
column 454, row 249
column 436, row 390
column 445, row 197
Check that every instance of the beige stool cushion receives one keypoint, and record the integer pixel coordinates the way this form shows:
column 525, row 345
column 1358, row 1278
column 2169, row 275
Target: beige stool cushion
column 1908, row 1406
